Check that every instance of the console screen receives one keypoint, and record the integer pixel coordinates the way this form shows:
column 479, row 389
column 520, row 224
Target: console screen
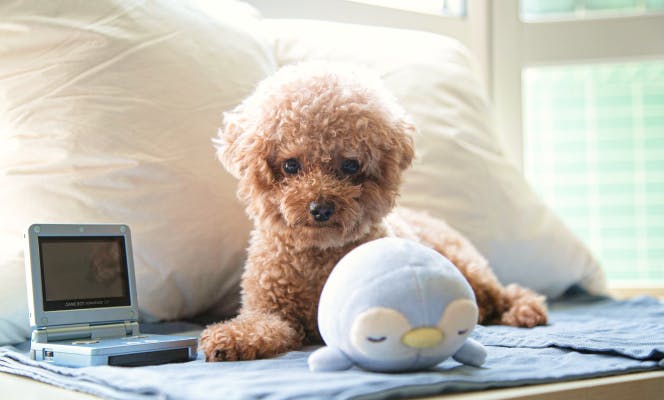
column 83, row 272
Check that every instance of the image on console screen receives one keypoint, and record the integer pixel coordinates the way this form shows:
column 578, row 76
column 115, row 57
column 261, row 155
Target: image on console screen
column 83, row 272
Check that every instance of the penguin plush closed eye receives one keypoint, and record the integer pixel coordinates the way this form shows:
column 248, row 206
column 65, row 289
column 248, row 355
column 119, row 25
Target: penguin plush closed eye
column 395, row 305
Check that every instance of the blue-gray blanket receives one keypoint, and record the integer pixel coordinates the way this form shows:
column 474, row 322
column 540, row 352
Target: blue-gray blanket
column 585, row 338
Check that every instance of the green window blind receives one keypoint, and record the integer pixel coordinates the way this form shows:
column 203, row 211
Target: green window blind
column 538, row 9
column 594, row 150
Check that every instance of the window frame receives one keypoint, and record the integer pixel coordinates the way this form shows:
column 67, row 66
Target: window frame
column 517, row 43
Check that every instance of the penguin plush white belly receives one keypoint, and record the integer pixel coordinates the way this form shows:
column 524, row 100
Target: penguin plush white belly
column 396, row 305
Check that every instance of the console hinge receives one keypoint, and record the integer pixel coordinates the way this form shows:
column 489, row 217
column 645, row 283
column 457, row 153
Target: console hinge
column 85, row 331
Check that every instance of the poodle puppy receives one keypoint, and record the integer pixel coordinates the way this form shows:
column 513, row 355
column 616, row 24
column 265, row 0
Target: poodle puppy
column 319, row 150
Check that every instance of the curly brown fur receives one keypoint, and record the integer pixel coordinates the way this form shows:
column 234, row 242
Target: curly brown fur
column 511, row 305
column 351, row 142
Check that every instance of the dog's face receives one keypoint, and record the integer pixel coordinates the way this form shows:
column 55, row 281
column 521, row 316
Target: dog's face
column 319, row 154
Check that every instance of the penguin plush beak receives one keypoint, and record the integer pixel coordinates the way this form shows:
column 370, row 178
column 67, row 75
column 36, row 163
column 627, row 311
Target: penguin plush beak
column 422, row 338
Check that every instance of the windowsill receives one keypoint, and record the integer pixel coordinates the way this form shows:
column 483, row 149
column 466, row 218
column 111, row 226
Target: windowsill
column 645, row 385
column 624, row 291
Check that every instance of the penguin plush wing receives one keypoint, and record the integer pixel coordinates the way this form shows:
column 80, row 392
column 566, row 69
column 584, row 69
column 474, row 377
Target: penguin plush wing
column 329, row 359
column 471, row 353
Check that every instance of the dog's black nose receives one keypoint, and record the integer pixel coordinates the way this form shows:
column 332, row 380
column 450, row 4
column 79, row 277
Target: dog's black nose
column 321, row 211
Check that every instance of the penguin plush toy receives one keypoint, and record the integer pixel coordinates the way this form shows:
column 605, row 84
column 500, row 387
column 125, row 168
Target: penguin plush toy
column 395, row 305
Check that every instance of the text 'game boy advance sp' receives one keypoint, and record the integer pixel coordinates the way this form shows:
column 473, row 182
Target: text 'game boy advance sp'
column 82, row 300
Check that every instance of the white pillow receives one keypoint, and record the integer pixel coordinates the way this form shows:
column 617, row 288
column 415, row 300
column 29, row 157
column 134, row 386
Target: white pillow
column 461, row 173
column 107, row 110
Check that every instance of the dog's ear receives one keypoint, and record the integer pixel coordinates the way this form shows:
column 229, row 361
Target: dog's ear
column 405, row 132
column 242, row 147
column 398, row 152
column 232, row 142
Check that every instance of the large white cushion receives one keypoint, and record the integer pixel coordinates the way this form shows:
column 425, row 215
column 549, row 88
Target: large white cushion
column 107, row 110
column 461, row 173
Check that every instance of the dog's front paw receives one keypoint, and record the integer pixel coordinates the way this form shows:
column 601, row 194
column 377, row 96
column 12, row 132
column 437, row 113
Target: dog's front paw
column 526, row 308
column 249, row 337
column 221, row 352
column 221, row 342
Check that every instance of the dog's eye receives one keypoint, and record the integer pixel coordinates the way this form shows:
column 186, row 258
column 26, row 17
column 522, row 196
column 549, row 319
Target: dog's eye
column 291, row 166
column 350, row 167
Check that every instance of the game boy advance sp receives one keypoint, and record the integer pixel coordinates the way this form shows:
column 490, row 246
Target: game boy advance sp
column 82, row 300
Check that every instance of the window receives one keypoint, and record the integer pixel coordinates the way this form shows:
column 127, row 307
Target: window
column 578, row 89
column 594, row 149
